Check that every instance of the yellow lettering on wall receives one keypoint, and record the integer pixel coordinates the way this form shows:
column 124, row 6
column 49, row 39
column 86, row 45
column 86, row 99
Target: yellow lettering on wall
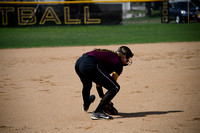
column 26, row 16
column 165, row 12
column 50, row 15
column 4, row 13
column 165, row 18
column 87, row 19
column 67, row 17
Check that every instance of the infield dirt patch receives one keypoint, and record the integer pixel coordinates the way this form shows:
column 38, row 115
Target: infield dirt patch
column 160, row 92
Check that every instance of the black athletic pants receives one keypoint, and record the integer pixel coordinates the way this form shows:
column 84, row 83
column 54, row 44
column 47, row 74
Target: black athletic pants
column 88, row 71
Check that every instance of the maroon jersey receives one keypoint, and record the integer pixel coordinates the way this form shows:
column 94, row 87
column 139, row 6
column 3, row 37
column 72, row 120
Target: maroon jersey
column 108, row 61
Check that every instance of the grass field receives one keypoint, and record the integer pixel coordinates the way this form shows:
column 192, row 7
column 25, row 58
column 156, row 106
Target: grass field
column 52, row 36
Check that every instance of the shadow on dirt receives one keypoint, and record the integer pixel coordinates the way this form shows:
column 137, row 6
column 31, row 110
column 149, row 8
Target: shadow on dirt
column 144, row 114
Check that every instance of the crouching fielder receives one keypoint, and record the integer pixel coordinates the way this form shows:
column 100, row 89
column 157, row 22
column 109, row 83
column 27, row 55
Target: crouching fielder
column 96, row 66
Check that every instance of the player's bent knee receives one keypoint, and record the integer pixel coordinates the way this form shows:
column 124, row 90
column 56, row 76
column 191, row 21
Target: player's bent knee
column 115, row 90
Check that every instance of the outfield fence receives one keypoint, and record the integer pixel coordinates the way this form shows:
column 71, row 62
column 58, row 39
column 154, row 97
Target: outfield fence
column 96, row 12
column 75, row 2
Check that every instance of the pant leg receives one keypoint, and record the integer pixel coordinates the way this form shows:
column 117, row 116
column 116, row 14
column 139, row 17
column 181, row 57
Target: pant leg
column 104, row 79
column 87, row 85
column 82, row 69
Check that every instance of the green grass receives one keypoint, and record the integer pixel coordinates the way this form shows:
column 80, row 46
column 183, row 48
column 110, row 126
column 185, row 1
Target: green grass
column 52, row 36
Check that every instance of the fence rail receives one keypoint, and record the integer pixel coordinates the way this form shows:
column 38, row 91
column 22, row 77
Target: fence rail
column 76, row 2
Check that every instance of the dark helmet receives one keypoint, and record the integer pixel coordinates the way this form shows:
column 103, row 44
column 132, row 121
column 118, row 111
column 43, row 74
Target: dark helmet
column 124, row 50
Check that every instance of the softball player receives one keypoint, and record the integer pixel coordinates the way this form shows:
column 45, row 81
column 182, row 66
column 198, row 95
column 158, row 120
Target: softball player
column 96, row 66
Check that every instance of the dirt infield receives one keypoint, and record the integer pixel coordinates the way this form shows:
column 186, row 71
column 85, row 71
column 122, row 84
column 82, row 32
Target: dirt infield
column 160, row 91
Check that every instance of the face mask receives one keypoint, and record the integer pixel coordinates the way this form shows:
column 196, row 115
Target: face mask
column 128, row 63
